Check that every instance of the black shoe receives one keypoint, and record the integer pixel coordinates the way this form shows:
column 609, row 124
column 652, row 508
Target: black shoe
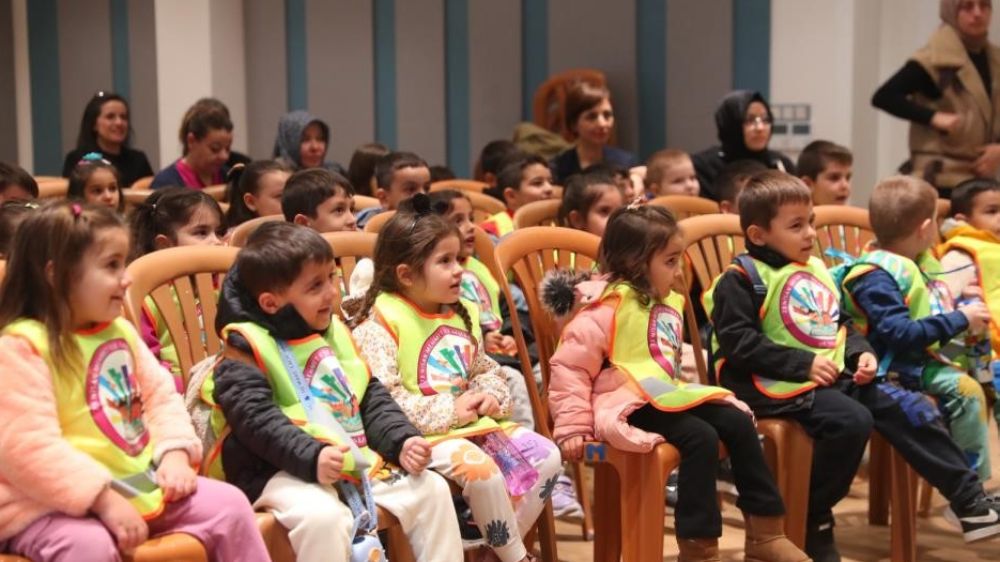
column 978, row 521
column 466, row 525
column 820, row 544
column 671, row 492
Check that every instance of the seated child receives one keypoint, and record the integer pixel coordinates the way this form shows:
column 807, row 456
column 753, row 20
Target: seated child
column 825, row 168
column 320, row 199
column 670, row 172
column 398, row 176
column 731, row 181
column 11, row 214
column 588, row 200
column 361, row 170
column 172, row 216
column 897, row 297
column 523, row 179
column 613, row 381
column 15, row 183
column 491, row 158
column 97, row 450
column 440, row 172
column 800, row 359
column 95, row 180
column 254, row 190
column 425, row 344
column 286, row 450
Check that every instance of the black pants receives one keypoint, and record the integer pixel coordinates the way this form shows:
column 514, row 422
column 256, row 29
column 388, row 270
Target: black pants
column 696, row 433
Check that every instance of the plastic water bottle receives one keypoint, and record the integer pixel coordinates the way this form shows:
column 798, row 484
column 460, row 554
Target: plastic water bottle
column 979, row 349
column 519, row 475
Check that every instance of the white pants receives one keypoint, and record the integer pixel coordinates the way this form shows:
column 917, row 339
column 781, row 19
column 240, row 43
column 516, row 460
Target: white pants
column 319, row 523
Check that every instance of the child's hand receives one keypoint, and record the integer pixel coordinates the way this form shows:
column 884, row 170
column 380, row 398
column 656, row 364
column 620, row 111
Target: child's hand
column 572, row 448
column 494, row 342
column 490, row 406
column 972, row 291
column 978, row 316
column 330, row 463
column 124, row 522
column 508, row 346
column 467, row 407
column 867, row 365
column 416, row 455
column 175, row 476
column 823, row 372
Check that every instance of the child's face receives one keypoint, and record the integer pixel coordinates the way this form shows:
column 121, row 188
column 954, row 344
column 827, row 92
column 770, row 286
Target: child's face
column 790, row 233
column 202, row 229
column 756, row 127
column 102, row 189
column 679, row 178
column 536, row 185
column 312, row 148
column 336, row 214
column 985, row 213
column 111, row 126
column 312, row 294
column 461, row 215
column 832, row 186
column 267, row 201
column 439, row 281
column 406, row 182
column 596, row 220
column 207, row 155
column 594, row 125
column 730, row 207
column 98, row 293
column 665, row 266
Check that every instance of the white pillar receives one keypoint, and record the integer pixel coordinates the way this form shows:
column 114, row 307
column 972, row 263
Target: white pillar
column 22, row 85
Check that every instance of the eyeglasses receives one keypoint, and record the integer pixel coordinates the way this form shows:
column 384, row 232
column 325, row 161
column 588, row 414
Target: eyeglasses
column 757, row 121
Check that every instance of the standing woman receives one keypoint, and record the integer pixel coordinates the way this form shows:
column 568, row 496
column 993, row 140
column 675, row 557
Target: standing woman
column 105, row 129
column 949, row 92
column 590, row 118
column 207, row 135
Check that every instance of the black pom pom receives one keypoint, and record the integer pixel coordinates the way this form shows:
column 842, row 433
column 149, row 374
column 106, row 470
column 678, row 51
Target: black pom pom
column 557, row 290
column 421, row 204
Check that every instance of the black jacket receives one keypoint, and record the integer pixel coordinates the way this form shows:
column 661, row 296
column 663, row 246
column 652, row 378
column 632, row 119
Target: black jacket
column 263, row 440
column 729, row 119
column 747, row 350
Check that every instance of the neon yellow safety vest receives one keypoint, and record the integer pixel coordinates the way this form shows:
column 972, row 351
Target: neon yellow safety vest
column 100, row 407
column 503, row 222
column 646, row 346
column 984, row 248
column 337, row 378
column 479, row 287
column 435, row 352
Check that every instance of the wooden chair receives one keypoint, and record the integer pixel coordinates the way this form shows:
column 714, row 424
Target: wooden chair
column 549, row 104
column 239, row 236
column 375, row 224
column 537, row 213
column 217, row 192
column 484, row 206
column 684, row 206
column 142, row 183
column 53, row 188
column 842, row 228
column 348, row 248
column 461, row 185
column 365, row 202
column 135, row 197
column 175, row 547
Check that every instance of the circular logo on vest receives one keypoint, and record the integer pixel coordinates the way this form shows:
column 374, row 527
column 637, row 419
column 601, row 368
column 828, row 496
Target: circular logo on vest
column 114, row 398
column 473, row 290
column 329, row 384
column 664, row 336
column 810, row 311
column 444, row 362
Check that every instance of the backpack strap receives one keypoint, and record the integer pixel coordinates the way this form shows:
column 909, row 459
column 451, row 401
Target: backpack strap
column 745, row 262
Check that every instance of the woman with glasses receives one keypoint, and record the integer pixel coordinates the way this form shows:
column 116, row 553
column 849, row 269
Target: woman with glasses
column 105, row 129
column 743, row 121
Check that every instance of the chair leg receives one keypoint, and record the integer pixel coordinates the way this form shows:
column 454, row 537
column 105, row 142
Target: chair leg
column 878, row 480
column 789, row 451
column 642, row 518
column 398, row 549
column 903, row 526
column 546, row 530
column 926, row 495
column 583, row 496
column 607, row 514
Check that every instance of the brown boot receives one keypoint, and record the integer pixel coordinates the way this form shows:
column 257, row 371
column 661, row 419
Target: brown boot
column 698, row 550
column 766, row 541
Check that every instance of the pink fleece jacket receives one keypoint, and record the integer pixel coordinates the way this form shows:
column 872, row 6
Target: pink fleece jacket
column 40, row 472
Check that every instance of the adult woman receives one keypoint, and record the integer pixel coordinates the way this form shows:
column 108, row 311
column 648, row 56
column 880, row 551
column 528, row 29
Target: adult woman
column 590, row 118
column 105, row 128
column 207, row 135
column 302, row 142
column 946, row 91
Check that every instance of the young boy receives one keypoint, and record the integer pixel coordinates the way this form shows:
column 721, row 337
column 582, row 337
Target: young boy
column 320, row 199
column 896, row 296
column 670, row 172
column 523, row 179
column 283, row 448
column 791, row 354
column 15, row 183
column 731, row 181
column 826, row 168
column 399, row 175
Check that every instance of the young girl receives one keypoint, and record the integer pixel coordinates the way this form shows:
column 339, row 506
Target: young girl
column 11, row 215
column 614, row 378
column 96, row 447
column 94, row 180
column 588, row 201
column 425, row 344
column 207, row 136
column 175, row 216
column 254, row 190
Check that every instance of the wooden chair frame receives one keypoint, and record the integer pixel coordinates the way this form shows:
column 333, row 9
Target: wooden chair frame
column 846, row 229
column 686, row 206
column 375, row 224
column 473, row 186
column 238, row 238
column 537, row 213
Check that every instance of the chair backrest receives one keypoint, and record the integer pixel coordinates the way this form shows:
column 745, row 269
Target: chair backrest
column 135, row 197
column 549, row 104
column 845, row 229
column 348, row 248
column 461, row 185
column 240, row 234
column 52, row 188
column 685, row 206
column 537, row 213
column 375, row 224
column 142, row 183
column 712, row 242
column 365, row 202
column 183, row 283
column 483, row 206
column 217, row 192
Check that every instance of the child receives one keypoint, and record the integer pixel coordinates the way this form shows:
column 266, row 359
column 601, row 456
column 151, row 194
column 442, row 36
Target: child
column 321, row 200
column 731, row 181
column 361, row 170
column 254, row 190
column 523, row 179
column 588, row 201
column 398, row 175
column 425, row 344
column 276, row 318
column 826, row 168
column 94, row 180
column 670, row 172
column 97, row 450
column 805, row 363
column 175, row 216
column 15, row 183
column 491, row 158
column 11, row 214
column 614, row 382
column 898, row 299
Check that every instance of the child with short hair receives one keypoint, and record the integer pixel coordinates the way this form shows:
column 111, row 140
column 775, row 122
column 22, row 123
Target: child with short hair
column 588, row 200
column 615, row 380
column 302, row 411
column 15, row 183
column 320, row 199
column 826, row 168
column 97, row 450
column 254, row 190
column 731, row 181
column 95, row 180
column 491, row 158
column 361, row 169
column 897, row 297
column 398, row 176
column 523, row 179
column 671, row 172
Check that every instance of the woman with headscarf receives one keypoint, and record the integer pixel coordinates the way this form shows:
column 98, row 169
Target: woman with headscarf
column 302, row 142
column 949, row 93
column 743, row 124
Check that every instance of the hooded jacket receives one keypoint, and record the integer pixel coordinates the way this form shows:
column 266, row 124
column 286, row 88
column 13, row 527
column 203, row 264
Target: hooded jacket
column 289, row 139
column 729, row 119
column 263, row 439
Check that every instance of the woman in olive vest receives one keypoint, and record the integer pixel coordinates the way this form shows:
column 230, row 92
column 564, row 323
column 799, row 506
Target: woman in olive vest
column 949, row 91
